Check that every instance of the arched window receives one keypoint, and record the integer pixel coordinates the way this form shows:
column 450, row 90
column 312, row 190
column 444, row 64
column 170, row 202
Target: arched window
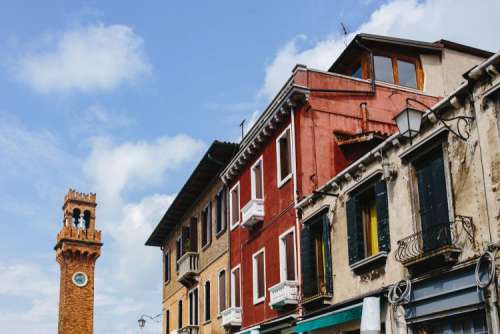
column 76, row 216
column 86, row 217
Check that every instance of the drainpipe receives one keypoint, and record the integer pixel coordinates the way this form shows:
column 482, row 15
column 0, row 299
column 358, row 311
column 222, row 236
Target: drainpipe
column 296, row 200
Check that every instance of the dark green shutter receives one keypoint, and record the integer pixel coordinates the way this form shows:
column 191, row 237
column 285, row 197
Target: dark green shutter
column 328, row 254
column 354, row 231
column 384, row 240
column 309, row 274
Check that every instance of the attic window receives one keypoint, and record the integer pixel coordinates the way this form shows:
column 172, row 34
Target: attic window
column 383, row 69
column 398, row 70
column 407, row 74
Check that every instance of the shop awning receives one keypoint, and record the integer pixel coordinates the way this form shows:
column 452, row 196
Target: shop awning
column 330, row 319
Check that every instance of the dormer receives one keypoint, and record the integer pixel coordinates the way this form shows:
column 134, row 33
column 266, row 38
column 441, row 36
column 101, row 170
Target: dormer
column 434, row 68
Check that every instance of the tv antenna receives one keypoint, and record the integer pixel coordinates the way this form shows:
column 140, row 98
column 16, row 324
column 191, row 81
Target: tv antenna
column 242, row 126
column 345, row 31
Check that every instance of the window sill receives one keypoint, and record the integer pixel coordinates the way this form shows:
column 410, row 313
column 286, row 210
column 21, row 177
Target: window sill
column 259, row 301
column 220, row 233
column 234, row 225
column 368, row 263
column 285, row 180
column 207, row 322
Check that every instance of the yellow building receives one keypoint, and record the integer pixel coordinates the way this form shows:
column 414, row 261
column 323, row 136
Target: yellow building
column 193, row 238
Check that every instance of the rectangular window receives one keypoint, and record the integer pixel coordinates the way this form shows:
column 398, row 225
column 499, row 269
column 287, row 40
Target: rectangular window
column 167, row 322
column 220, row 211
column 235, row 287
column 178, row 252
column 259, row 277
column 179, row 314
column 357, row 72
column 316, row 257
column 235, row 205
column 284, row 154
column 166, row 263
column 222, row 291
column 257, row 180
column 207, row 301
column 433, row 200
column 193, row 307
column 407, row 74
column 383, row 69
column 206, row 225
column 287, row 256
column 367, row 221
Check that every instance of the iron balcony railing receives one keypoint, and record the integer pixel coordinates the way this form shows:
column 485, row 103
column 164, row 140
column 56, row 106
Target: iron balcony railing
column 435, row 238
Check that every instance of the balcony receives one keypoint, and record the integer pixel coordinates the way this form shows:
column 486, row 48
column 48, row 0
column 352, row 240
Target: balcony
column 189, row 329
column 252, row 212
column 284, row 293
column 188, row 267
column 231, row 317
column 437, row 246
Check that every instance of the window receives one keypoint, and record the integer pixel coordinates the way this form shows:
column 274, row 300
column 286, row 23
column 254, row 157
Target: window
column 287, row 256
column 235, row 205
column 433, row 200
column 178, row 252
column 207, row 301
column 222, row 291
column 206, row 225
column 179, row 314
column 167, row 266
column 259, row 277
column 193, row 306
column 257, row 180
column 407, row 74
column 316, row 257
column 220, row 211
column 357, row 72
column 235, row 287
column 167, row 322
column 397, row 71
column 367, row 221
column 283, row 151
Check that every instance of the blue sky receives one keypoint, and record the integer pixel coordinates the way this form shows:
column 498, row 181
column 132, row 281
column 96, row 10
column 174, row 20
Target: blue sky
column 122, row 101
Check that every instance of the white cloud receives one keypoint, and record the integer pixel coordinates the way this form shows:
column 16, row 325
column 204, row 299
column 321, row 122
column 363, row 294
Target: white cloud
column 86, row 59
column 463, row 21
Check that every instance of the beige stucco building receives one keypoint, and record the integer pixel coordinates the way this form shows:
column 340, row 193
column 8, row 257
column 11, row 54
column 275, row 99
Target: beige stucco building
column 421, row 211
column 194, row 240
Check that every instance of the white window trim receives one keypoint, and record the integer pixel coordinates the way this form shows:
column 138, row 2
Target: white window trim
column 232, row 225
column 252, row 177
column 233, row 293
column 218, row 289
column 255, row 282
column 208, row 208
column 189, row 305
column 205, row 320
column 281, row 181
column 168, row 254
column 283, row 254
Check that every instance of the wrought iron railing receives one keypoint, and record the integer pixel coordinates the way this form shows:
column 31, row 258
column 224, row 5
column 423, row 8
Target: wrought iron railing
column 435, row 238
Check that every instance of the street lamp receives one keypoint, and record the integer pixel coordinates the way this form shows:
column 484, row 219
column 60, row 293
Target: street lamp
column 142, row 322
column 409, row 120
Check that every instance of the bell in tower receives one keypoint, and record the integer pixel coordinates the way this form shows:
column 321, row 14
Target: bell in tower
column 77, row 249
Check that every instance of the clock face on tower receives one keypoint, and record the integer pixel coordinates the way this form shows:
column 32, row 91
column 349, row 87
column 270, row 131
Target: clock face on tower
column 80, row 279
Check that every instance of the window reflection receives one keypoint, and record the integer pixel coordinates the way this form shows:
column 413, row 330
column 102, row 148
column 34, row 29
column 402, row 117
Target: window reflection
column 383, row 69
column 407, row 74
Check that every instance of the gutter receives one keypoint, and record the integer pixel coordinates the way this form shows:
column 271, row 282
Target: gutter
column 477, row 71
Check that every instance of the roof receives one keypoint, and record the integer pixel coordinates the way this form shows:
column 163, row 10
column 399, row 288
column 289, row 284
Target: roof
column 206, row 172
column 408, row 44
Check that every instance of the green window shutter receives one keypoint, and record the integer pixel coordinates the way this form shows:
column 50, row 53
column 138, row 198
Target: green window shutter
column 355, row 241
column 328, row 254
column 381, row 201
column 309, row 274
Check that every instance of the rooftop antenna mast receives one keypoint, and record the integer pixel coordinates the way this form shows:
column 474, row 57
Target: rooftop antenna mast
column 345, row 31
column 242, row 126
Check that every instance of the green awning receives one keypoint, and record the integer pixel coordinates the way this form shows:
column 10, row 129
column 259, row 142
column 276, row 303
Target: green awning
column 330, row 319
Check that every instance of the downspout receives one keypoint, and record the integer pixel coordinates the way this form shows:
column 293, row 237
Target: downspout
column 296, row 199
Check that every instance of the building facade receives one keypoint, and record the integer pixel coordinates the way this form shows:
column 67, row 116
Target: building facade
column 194, row 242
column 410, row 220
column 77, row 249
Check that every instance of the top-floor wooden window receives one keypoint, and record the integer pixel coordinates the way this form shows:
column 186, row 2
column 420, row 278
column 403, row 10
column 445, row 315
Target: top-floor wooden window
column 399, row 70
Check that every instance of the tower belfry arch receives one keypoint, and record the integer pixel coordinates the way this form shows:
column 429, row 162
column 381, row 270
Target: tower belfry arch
column 77, row 248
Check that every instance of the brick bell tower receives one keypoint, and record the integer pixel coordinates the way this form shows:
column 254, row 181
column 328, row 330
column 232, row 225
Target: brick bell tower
column 77, row 249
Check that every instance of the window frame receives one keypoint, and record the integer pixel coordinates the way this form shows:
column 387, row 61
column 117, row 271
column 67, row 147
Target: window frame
column 232, row 225
column 167, row 321
column 180, row 320
column 255, row 281
column 419, row 74
column 280, row 179
column 282, row 251
column 197, row 310
column 205, row 295
column 253, row 184
column 167, row 270
column 208, row 228
column 219, row 311
column 233, row 292
column 178, row 252
column 222, row 193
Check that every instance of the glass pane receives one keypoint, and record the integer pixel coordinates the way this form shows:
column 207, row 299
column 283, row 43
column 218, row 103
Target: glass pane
column 290, row 257
column 357, row 72
column 260, row 275
column 222, row 291
column 235, row 206
column 257, row 173
column 236, row 282
column 407, row 74
column 383, row 69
